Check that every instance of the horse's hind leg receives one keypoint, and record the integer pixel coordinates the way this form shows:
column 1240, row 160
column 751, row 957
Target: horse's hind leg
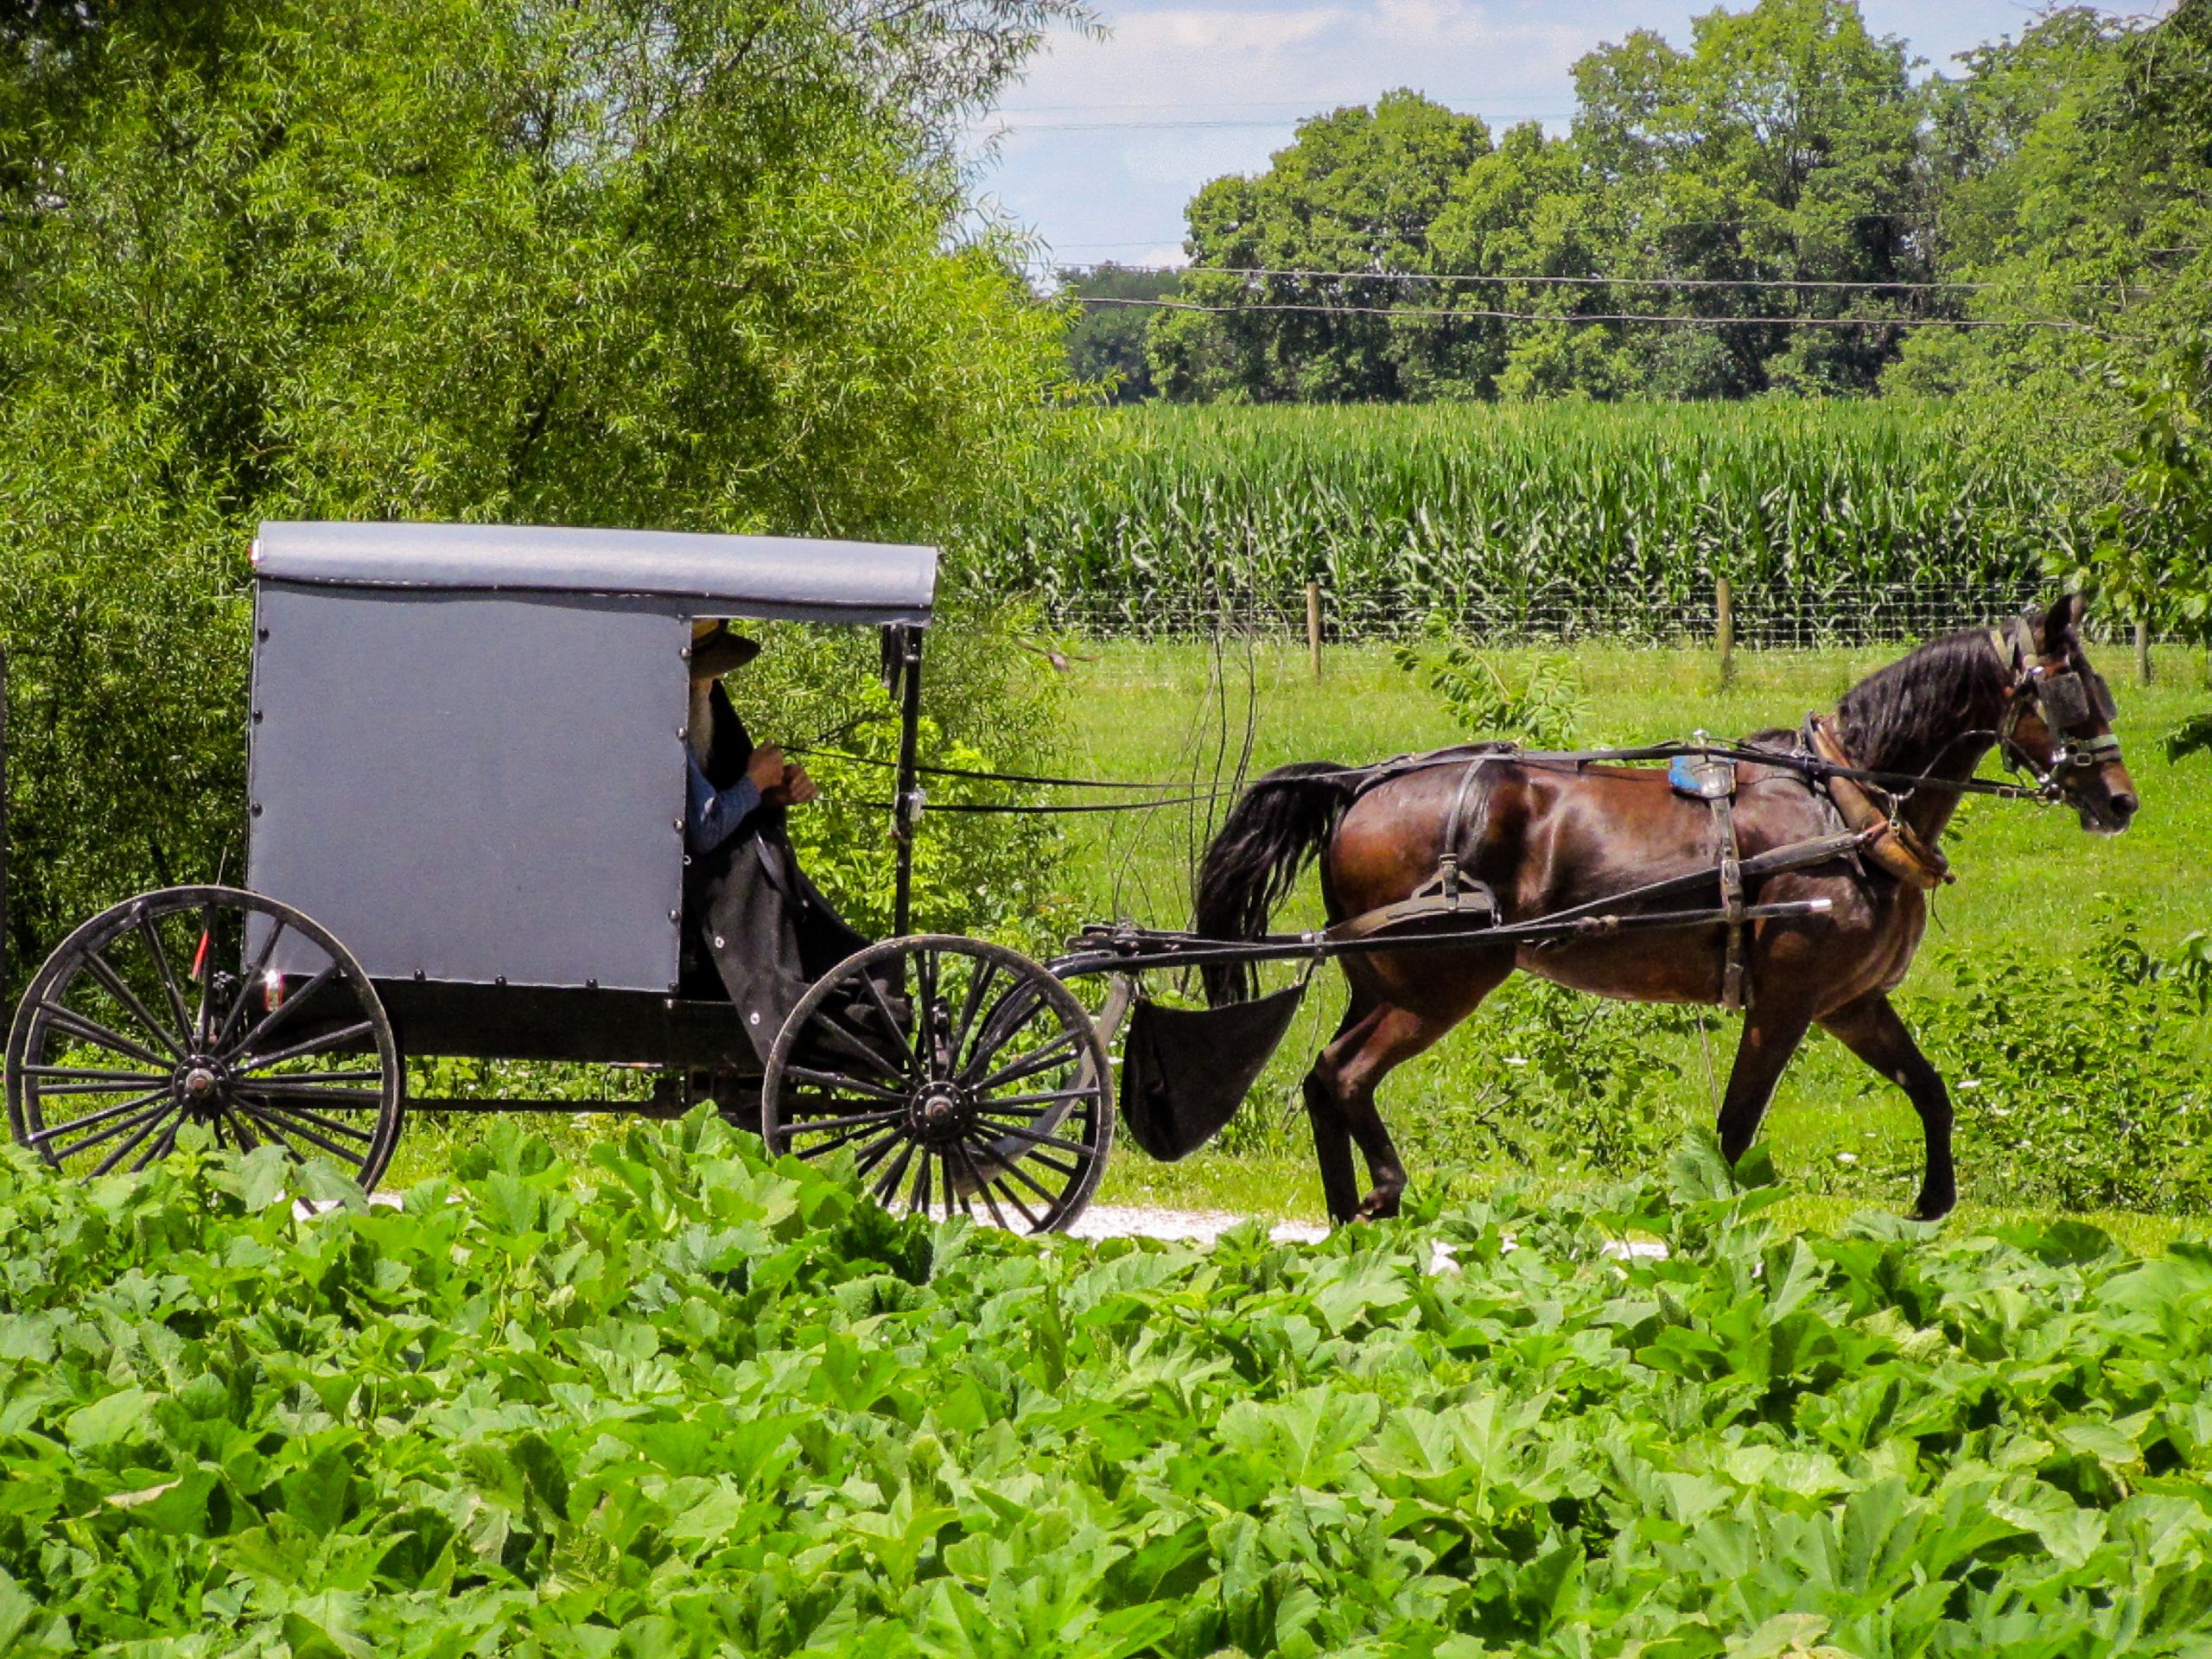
column 1331, row 1134
column 1871, row 1029
column 1376, row 1036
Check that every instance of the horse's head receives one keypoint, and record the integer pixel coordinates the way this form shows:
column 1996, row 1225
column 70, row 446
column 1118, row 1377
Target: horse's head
column 2057, row 719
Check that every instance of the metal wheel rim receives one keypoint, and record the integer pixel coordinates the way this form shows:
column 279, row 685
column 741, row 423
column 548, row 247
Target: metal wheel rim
column 229, row 1062
column 1058, row 1110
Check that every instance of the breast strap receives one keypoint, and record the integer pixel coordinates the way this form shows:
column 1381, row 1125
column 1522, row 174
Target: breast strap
column 1892, row 844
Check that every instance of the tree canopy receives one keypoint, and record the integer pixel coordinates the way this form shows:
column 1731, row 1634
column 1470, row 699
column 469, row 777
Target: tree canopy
column 699, row 264
column 1782, row 180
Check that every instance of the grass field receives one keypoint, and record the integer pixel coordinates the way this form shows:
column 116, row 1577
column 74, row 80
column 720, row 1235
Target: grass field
column 2033, row 887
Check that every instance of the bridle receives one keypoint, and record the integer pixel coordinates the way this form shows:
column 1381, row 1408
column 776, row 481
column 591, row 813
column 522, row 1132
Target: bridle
column 2069, row 701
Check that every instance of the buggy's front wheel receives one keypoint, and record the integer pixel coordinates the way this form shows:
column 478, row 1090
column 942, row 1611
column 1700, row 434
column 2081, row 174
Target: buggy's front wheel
column 208, row 1006
column 963, row 1078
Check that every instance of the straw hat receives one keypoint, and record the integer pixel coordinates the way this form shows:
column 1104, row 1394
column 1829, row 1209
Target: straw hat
column 716, row 650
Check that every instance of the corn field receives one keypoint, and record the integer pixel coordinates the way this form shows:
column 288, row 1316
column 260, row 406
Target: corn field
column 1831, row 520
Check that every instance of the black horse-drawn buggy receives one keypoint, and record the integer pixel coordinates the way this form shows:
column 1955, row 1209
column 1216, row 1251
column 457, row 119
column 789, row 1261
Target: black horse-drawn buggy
column 466, row 838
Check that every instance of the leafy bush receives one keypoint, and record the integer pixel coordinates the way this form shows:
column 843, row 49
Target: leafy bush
column 1542, row 706
column 677, row 1400
column 702, row 266
column 2079, row 1085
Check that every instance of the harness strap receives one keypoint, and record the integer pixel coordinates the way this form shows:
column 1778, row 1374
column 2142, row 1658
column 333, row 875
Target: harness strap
column 1735, row 989
column 1890, row 842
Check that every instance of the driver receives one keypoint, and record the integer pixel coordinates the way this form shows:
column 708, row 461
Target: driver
column 753, row 920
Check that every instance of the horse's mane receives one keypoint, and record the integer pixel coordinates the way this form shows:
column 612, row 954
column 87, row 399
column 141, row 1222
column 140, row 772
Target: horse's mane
column 1919, row 703
column 1913, row 705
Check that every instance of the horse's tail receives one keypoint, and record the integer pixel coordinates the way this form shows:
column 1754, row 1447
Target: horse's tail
column 1274, row 831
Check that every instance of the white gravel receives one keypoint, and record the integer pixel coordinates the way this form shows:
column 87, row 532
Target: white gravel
column 1134, row 1220
column 1204, row 1226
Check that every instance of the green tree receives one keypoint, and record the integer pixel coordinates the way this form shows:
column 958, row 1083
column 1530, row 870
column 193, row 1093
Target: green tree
column 682, row 262
column 1785, row 145
column 1106, row 343
column 1352, row 197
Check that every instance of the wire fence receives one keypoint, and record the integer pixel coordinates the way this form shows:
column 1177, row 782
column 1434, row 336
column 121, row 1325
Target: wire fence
column 1763, row 618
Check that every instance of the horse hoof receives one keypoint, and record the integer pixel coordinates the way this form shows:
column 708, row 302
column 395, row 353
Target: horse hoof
column 1927, row 1209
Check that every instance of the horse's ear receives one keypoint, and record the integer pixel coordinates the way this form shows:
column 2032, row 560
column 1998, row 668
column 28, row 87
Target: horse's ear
column 2062, row 627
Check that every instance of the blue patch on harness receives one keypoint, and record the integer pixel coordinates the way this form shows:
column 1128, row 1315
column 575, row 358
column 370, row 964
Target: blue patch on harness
column 1701, row 777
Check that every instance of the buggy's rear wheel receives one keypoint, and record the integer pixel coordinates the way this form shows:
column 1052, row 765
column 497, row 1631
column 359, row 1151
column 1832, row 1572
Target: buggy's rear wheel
column 209, row 1006
column 963, row 1077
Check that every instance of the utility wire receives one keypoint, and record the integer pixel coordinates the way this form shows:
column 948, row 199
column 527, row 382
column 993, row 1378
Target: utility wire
column 1623, row 316
column 1295, row 275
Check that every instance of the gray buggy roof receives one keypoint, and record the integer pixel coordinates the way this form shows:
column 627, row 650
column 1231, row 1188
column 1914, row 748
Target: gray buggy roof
column 768, row 577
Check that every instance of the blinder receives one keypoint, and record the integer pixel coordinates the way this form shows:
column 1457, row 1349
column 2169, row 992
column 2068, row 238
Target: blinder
column 2068, row 700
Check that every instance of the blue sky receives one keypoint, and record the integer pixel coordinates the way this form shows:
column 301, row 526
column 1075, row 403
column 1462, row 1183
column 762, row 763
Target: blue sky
column 1106, row 139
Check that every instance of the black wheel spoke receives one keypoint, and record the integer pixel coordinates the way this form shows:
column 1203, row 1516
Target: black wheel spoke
column 955, row 1192
column 93, row 1077
column 163, row 972
column 920, row 1206
column 253, row 977
column 1002, row 1024
column 1037, row 1139
column 1041, row 1101
column 1022, row 1175
column 254, row 1102
column 153, row 1118
column 925, row 1048
column 907, row 1066
column 246, row 1139
column 888, row 1187
column 321, row 1043
column 838, row 1080
column 283, row 1088
column 1063, row 1045
column 164, row 1143
column 84, row 1028
column 284, row 1010
column 158, row 1101
column 858, row 1045
column 985, row 972
column 830, row 1125
column 203, row 969
column 878, row 1149
column 975, row 1179
column 122, row 993
column 270, row 1114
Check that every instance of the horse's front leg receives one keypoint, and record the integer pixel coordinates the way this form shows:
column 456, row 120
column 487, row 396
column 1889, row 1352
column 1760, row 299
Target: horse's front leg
column 1871, row 1029
column 1771, row 1036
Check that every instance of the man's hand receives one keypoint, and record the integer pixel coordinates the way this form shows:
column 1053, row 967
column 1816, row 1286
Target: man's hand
column 796, row 790
column 766, row 771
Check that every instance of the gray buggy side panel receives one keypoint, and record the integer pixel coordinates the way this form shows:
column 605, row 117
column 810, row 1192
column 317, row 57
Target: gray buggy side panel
column 767, row 576
column 472, row 789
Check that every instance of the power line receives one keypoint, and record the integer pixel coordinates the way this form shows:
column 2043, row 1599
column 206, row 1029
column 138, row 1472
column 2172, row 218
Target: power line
column 2059, row 323
column 1295, row 275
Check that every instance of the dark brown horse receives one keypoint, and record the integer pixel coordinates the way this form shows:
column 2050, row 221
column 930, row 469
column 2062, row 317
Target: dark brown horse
column 1545, row 835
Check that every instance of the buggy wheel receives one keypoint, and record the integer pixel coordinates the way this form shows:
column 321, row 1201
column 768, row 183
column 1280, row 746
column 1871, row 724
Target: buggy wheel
column 963, row 1078
column 208, row 1006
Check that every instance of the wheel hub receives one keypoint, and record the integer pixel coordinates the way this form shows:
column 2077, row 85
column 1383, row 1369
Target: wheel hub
column 941, row 1113
column 201, row 1084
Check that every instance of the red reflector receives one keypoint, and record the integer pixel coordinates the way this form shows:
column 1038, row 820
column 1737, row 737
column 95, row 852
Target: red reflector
column 200, row 958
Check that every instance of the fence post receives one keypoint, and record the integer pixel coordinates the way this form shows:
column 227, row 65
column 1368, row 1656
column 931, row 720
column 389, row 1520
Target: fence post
column 2142, row 651
column 1724, row 611
column 1314, row 626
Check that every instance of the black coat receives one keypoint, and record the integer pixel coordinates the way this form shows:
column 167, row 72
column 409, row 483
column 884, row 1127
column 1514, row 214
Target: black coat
column 749, row 908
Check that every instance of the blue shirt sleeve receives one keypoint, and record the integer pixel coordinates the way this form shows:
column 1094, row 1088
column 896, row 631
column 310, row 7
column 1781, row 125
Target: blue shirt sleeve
column 711, row 817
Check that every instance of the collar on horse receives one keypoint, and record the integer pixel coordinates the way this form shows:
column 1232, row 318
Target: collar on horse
column 1891, row 843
